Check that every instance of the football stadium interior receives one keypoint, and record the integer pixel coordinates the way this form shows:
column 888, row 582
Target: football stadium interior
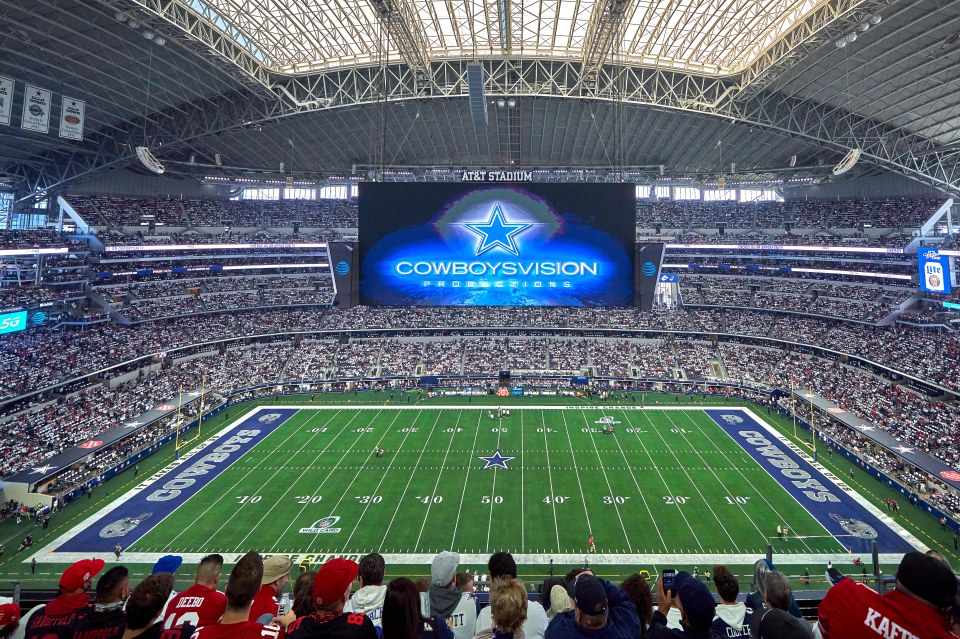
column 626, row 285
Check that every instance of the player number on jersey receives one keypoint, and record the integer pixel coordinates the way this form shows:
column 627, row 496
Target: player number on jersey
column 614, row 499
column 369, row 499
column 303, row 500
column 734, row 500
column 674, row 500
column 487, row 499
column 555, row 499
column 249, row 499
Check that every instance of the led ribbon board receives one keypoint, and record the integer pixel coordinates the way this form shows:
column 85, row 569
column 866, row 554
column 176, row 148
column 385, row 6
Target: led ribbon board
column 13, row 322
column 496, row 245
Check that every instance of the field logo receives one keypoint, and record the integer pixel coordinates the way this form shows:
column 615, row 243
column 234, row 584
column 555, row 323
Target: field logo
column 732, row 419
column 855, row 527
column 323, row 525
column 607, row 420
column 496, row 460
column 121, row 527
column 269, row 418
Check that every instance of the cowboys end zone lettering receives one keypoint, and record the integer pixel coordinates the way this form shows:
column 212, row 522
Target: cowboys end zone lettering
column 845, row 518
column 535, row 244
column 125, row 524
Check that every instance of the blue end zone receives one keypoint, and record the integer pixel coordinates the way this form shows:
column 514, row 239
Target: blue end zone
column 840, row 514
column 132, row 519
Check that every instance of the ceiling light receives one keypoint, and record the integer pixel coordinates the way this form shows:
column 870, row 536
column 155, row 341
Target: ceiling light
column 875, row 19
column 841, row 43
column 121, row 17
column 149, row 35
column 501, row 104
column 160, row 40
column 864, row 26
column 134, row 24
column 851, row 37
column 511, row 103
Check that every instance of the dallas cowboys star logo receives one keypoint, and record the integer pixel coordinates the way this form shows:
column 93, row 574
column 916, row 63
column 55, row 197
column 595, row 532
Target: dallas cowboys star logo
column 496, row 460
column 497, row 232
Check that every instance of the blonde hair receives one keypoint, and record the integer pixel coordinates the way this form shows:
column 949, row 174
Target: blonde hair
column 508, row 603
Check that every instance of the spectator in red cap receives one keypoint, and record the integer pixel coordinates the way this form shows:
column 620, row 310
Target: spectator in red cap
column 9, row 618
column 331, row 590
column 243, row 584
column 59, row 618
column 920, row 606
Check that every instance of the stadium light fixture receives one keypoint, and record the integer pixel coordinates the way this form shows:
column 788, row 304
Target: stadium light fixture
column 875, row 19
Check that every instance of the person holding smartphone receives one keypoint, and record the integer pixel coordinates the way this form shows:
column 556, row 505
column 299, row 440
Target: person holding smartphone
column 689, row 595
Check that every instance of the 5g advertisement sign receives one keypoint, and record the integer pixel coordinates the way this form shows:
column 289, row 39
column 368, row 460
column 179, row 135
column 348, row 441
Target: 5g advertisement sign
column 535, row 244
column 13, row 322
column 934, row 271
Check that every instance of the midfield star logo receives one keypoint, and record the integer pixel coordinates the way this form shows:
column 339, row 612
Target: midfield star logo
column 496, row 232
column 496, row 460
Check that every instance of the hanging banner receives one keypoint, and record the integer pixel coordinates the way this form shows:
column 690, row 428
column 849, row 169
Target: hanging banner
column 6, row 100
column 36, row 110
column 71, row 118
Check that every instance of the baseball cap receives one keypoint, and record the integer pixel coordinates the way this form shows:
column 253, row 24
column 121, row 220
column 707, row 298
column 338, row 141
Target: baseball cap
column 928, row 578
column 80, row 574
column 167, row 563
column 588, row 593
column 333, row 579
column 697, row 602
column 9, row 614
column 559, row 599
column 443, row 568
column 274, row 567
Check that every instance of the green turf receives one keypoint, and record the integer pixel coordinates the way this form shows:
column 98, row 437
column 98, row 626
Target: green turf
column 429, row 492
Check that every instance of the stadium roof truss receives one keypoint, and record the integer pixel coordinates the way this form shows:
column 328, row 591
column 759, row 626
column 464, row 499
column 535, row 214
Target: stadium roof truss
column 713, row 57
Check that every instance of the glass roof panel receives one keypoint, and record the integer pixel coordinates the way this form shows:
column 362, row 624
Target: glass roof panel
column 713, row 37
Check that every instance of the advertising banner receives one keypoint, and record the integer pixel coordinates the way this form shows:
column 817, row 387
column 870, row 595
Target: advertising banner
column 934, row 271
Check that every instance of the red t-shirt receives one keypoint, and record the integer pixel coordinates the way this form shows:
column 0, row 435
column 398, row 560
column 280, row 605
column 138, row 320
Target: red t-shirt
column 240, row 630
column 264, row 602
column 851, row 610
column 197, row 605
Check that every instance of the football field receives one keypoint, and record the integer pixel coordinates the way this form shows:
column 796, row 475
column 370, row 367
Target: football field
column 307, row 481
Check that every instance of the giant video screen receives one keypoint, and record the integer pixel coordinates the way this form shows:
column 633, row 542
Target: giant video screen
column 442, row 244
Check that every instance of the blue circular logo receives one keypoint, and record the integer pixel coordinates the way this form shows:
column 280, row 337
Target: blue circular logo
column 649, row 269
column 38, row 318
column 342, row 268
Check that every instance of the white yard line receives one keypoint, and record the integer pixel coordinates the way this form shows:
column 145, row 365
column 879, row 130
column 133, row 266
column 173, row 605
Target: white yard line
column 603, row 471
column 407, row 487
column 666, row 485
column 763, row 497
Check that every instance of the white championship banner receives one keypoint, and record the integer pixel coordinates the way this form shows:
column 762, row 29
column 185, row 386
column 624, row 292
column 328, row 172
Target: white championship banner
column 36, row 110
column 71, row 118
column 6, row 100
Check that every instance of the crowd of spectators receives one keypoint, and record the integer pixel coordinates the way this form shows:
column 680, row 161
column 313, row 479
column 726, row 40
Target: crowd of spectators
column 889, row 213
